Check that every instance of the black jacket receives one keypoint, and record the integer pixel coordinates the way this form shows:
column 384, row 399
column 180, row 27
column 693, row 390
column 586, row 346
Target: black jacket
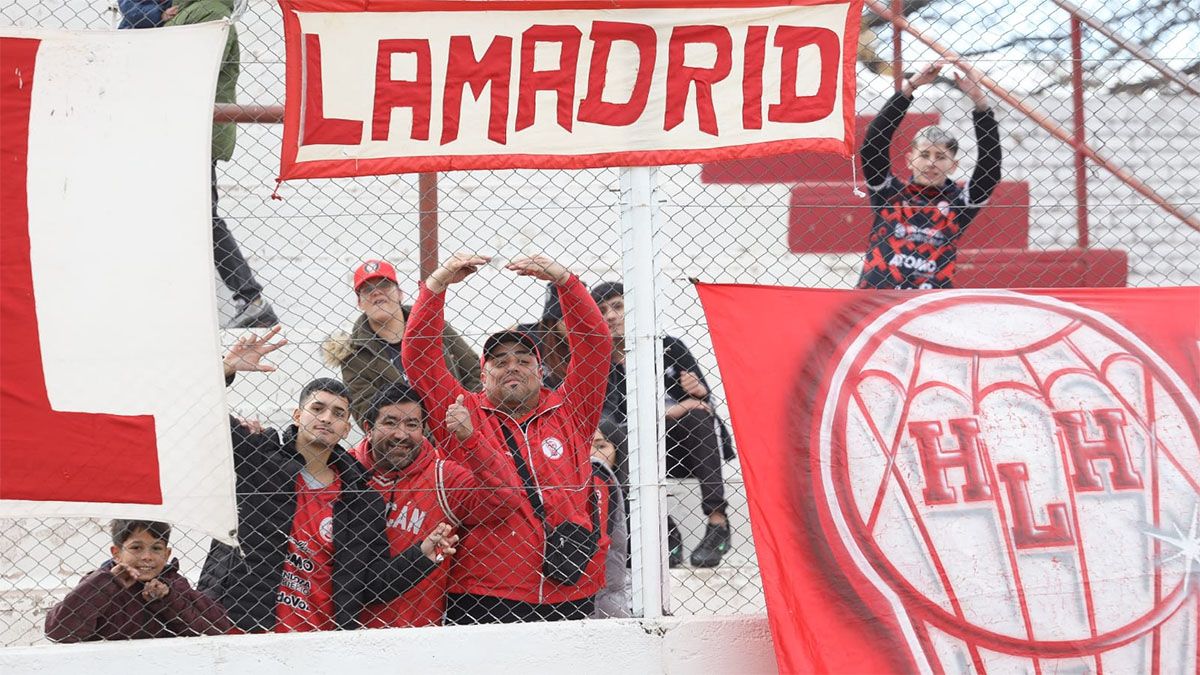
column 245, row 580
column 677, row 359
column 915, row 229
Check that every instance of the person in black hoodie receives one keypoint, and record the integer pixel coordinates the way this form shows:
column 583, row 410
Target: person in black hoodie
column 917, row 223
column 313, row 547
column 698, row 440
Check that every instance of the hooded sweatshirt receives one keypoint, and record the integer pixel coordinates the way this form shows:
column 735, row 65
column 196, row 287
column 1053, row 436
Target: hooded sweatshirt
column 100, row 608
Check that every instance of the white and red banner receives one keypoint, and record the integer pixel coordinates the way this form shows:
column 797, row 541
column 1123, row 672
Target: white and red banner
column 111, row 392
column 970, row 481
column 390, row 86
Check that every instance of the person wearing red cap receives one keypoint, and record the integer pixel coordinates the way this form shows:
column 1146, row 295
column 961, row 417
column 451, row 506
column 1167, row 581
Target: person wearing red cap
column 369, row 356
column 520, row 570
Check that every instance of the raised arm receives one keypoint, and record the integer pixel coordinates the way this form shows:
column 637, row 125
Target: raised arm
column 877, row 145
column 422, row 350
column 986, row 175
column 587, row 333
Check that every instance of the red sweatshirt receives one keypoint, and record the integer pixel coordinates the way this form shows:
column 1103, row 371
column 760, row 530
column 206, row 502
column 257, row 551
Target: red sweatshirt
column 505, row 560
column 429, row 491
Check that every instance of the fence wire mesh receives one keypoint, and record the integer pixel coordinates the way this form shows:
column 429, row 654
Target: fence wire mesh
column 792, row 220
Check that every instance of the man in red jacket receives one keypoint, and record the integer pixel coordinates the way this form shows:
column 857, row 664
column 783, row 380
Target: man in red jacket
column 422, row 489
column 501, row 574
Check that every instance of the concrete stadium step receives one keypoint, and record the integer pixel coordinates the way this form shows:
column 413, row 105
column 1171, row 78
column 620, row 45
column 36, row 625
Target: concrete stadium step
column 798, row 167
column 830, row 218
column 1067, row 268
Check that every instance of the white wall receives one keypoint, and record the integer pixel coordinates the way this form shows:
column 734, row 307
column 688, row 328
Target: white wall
column 677, row 646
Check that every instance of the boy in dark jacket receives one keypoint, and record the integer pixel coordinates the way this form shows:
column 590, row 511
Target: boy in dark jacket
column 915, row 231
column 135, row 595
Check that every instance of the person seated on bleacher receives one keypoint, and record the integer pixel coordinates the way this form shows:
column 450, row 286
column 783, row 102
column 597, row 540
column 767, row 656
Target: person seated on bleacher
column 136, row 595
column 369, row 356
column 916, row 224
column 697, row 439
column 422, row 488
column 545, row 562
column 312, row 535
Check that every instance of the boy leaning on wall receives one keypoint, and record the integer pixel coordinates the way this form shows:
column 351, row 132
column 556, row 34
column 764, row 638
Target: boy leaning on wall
column 137, row 594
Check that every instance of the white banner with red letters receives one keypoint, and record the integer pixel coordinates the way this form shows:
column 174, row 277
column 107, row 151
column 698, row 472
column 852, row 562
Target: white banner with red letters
column 111, row 392
column 389, row 86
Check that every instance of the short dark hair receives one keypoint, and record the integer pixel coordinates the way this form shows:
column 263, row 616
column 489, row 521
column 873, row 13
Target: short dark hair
column 607, row 290
column 122, row 530
column 393, row 394
column 325, row 384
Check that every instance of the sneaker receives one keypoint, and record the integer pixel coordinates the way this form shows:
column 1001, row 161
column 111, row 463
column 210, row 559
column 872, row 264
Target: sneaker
column 674, row 545
column 256, row 313
column 712, row 547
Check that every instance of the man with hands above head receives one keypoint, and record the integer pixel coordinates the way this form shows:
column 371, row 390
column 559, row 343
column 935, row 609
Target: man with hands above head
column 313, row 547
column 519, row 569
column 914, row 234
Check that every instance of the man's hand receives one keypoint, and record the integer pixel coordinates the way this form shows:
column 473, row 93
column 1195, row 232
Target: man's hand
column 169, row 13
column 247, row 353
column 124, row 574
column 440, row 543
column 458, row 420
column 969, row 83
column 685, row 406
column 456, row 268
column 540, row 267
column 692, row 385
column 155, row 589
column 927, row 75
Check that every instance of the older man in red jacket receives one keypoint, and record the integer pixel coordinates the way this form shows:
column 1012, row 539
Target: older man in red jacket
column 545, row 561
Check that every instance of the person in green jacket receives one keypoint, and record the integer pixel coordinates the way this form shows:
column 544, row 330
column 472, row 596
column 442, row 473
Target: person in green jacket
column 369, row 357
column 253, row 310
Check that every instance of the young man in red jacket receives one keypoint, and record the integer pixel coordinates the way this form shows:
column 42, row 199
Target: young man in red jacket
column 503, row 573
column 422, row 489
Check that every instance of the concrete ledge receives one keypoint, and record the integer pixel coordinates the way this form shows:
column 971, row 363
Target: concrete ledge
column 673, row 645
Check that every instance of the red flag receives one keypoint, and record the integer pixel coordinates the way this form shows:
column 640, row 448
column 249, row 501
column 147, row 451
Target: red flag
column 969, row 479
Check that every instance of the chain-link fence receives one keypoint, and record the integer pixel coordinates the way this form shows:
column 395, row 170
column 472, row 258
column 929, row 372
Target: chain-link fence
column 795, row 220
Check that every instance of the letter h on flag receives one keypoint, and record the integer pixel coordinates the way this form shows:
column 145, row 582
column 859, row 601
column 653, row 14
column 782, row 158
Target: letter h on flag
column 111, row 395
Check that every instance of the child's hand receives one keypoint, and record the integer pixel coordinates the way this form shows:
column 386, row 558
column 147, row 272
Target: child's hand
column 440, row 543
column 169, row 13
column 155, row 589
column 969, row 84
column 928, row 74
column 124, row 575
column 458, row 420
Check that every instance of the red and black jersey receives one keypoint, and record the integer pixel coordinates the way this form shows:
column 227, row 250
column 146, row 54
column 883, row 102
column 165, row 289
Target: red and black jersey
column 915, row 229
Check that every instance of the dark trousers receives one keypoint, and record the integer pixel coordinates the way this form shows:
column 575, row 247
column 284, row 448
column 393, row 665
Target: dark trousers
column 468, row 608
column 694, row 451
column 232, row 267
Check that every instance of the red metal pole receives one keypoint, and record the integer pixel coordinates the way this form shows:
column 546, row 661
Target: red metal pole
column 427, row 223
column 1081, row 191
column 897, row 46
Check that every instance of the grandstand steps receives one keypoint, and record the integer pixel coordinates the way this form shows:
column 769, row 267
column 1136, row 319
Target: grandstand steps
column 830, row 218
